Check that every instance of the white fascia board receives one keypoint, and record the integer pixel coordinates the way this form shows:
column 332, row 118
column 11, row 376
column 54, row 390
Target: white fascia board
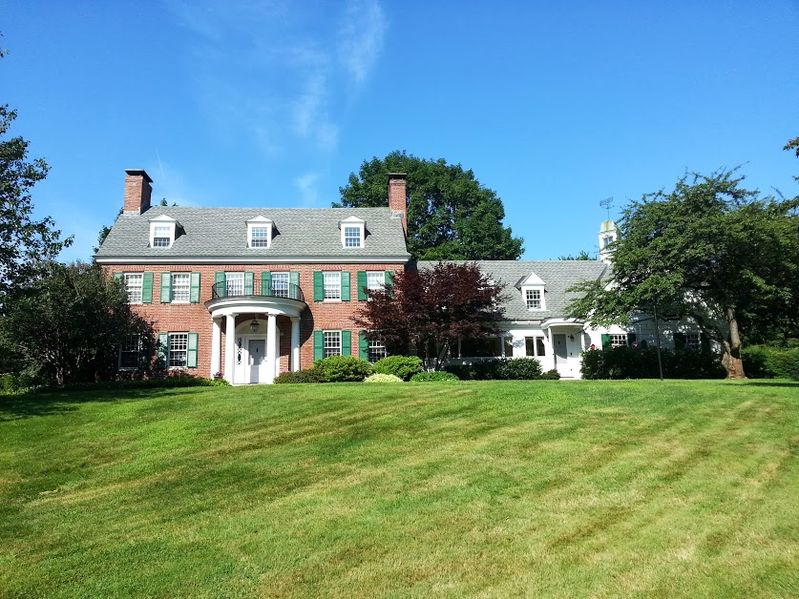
column 251, row 259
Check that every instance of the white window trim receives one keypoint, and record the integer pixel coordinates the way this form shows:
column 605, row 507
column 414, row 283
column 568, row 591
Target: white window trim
column 163, row 221
column 187, row 276
column 259, row 222
column 356, row 223
column 140, row 275
column 375, row 274
column 184, row 351
column 539, row 288
column 331, row 300
column 325, row 347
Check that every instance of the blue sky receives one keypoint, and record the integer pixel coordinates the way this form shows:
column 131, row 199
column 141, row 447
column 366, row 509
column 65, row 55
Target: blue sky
column 553, row 105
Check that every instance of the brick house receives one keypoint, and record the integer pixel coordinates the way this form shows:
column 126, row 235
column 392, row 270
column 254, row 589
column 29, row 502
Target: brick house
column 248, row 293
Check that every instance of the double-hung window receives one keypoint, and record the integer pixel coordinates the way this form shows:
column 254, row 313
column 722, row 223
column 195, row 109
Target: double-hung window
column 332, row 343
column 133, row 285
column 375, row 280
column 280, row 284
column 162, row 236
column 332, row 282
column 260, row 237
column 178, row 349
column 534, row 347
column 234, row 281
column 377, row 350
column 129, row 351
column 693, row 341
column 352, row 237
column 181, row 287
column 532, row 298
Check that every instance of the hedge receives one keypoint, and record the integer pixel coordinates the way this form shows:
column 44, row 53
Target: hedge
column 632, row 363
column 433, row 377
column 765, row 362
column 342, row 369
column 497, row 369
column 402, row 366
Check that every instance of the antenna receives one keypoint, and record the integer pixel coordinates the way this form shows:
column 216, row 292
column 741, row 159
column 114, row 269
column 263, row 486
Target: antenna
column 607, row 203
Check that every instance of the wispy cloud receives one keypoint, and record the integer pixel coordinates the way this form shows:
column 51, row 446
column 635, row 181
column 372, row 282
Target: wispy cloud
column 306, row 186
column 276, row 72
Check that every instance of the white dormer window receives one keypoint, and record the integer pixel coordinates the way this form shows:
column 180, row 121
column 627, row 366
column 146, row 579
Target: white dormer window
column 352, row 232
column 162, row 231
column 259, row 232
column 533, row 293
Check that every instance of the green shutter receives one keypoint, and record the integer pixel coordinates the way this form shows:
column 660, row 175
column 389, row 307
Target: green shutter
column 294, row 285
column 318, row 345
column 191, row 353
column 163, row 349
column 266, row 283
column 679, row 341
column 363, row 346
column 166, row 287
column 318, row 286
column 346, row 343
column 362, row 295
column 389, row 278
column 248, row 283
column 219, row 285
column 118, row 276
column 605, row 341
column 194, row 293
column 147, row 288
column 345, row 286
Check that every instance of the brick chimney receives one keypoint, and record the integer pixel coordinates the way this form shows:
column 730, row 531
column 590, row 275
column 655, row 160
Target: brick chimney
column 137, row 191
column 398, row 197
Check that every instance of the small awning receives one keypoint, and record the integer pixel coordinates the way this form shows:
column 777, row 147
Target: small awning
column 571, row 323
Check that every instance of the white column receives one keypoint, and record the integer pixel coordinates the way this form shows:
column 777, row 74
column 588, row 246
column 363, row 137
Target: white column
column 295, row 344
column 271, row 341
column 230, row 348
column 216, row 336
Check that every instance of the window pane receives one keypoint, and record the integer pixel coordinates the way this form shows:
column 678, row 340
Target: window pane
column 508, row 346
column 533, row 299
column 377, row 350
column 352, row 237
column 181, row 284
column 539, row 346
column 618, row 340
column 260, row 237
column 280, row 284
column 332, row 343
column 162, row 235
column 178, row 344
column 332, row 285
column 529, row 346
column 129, row 352
column 375, row 280
column 693, row 341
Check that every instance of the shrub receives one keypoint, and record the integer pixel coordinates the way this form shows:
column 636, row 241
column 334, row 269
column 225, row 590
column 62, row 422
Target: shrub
column 519, row 369
column 382, row 378
column 551, row 375
column 342, row 369
column 762, row 361
column 632, row 363
column 309, row 375
column 433, row 377
column 402, row 366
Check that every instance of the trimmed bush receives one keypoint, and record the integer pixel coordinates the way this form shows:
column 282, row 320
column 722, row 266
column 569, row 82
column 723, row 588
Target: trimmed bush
column 402, row 366
column 309, row 375
column 765, row 362
column 433, row 377
column 382, row 378
column 551, row 375
column 497, row 369
column 342, row 369
column 632, row 363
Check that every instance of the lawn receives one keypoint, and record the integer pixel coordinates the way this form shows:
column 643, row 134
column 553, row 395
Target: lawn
column 417, row 490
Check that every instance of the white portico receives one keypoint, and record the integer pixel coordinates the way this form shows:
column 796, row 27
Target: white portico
column 252, row 336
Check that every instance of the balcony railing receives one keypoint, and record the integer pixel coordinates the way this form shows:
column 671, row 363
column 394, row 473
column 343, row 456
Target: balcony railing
column 225, row 289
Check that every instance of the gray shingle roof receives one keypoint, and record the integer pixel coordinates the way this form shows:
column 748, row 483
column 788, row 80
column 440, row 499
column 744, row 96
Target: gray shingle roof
column 222, row 232
column 558, row 275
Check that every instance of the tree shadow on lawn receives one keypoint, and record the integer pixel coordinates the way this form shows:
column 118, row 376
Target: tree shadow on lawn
column 49, row 403
column 773, row 383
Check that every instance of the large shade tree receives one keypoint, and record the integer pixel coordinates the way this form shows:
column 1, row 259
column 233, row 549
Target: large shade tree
column 451, row 215
column 426, row 311
column 709, row 250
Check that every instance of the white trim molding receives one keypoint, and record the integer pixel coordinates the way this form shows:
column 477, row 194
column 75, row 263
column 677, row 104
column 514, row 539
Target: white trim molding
column 252, row 259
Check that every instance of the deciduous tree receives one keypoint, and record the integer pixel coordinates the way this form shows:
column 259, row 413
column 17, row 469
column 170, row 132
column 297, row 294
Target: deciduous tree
column 451, row 215
column 428, row 310
column 709, row 250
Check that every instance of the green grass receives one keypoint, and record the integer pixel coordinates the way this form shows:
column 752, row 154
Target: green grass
column 603, row 489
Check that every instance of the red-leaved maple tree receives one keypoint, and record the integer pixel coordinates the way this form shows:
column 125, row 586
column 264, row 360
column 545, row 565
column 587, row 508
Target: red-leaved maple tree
column 427, row 310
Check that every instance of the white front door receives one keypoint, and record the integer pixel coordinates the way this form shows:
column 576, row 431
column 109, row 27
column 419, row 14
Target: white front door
column 256, row 348
column 566, row 348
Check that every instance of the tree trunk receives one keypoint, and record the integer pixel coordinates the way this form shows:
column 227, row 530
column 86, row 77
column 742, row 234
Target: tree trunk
column 731, row 360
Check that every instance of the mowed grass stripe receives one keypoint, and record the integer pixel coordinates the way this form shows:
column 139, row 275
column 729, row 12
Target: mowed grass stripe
column 634, row 488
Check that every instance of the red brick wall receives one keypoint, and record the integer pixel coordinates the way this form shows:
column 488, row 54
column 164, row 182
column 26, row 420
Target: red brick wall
column 196, row 318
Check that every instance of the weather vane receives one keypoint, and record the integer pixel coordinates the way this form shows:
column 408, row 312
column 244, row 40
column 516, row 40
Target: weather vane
column 606, row 204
